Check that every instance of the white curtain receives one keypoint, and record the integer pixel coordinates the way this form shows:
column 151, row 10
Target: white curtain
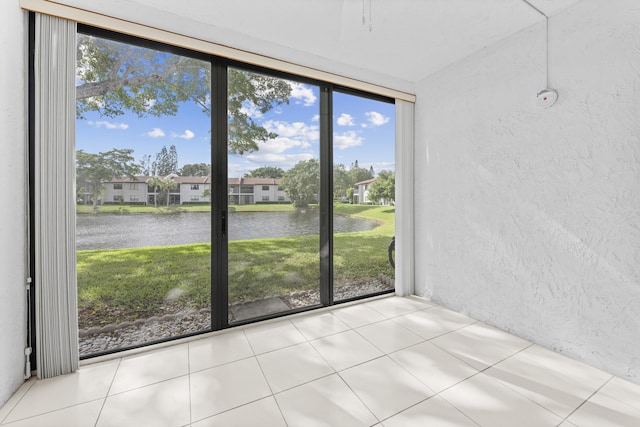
column 54, row 153
column 404, row 198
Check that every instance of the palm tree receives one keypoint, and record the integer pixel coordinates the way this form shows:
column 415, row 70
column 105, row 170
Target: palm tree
column 165, row 184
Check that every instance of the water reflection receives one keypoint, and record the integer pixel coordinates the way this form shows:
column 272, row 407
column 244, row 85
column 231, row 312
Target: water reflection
column 141, row 230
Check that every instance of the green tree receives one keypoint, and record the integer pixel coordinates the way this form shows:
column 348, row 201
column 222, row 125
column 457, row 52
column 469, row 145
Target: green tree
column 383, row 188
column 166, row 161
column 302, row 183
column 161, row 185
column 342, row 182
column 195, row 169
column 146, row 165
column 265, row 172
column 94, row 169
column 116, row 77
column 359, row 174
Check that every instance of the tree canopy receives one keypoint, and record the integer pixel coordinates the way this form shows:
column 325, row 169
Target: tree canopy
column 265, row 172
column 93, row 169
column 383, row 188
column 166, row 161
column 115, row 77
column 195, row 169
column 302, row 183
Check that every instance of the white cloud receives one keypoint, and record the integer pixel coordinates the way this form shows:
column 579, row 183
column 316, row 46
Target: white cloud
column 295, row 130
column 156, row 133
column 345, row 120
column 149, row 104
column 347, row 140
column 303, row 93
column 108, row 125
column 315, row 118
column 187, row 134
column 280, row 145
column 251, row 110
column 376, row 119
column 284, row 161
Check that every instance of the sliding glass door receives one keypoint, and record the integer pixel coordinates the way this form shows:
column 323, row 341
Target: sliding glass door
column 143, row 167
column 363, row 195
column 272, row 194
column 211, row 194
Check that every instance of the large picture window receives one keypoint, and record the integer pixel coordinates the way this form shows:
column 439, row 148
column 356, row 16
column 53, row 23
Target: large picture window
column 212, row 193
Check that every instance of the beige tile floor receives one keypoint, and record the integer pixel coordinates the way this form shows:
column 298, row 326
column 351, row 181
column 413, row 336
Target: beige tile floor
column 389, row 362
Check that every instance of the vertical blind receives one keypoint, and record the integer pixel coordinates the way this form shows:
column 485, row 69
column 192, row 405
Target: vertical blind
column 54, row 208
column 404, row 198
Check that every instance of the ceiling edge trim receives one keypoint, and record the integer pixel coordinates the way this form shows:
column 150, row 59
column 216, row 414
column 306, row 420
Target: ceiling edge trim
column 95, row 19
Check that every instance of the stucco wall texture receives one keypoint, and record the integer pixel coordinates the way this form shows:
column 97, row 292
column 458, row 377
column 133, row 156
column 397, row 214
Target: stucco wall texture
column 529, row 218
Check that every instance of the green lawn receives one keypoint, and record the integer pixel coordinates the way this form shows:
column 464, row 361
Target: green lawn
column 126, row 284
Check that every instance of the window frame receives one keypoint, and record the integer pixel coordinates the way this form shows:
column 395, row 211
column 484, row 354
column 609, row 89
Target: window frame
column 221, row 189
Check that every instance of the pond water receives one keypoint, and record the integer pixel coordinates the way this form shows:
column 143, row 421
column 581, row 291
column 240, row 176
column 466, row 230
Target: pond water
column 140, row 230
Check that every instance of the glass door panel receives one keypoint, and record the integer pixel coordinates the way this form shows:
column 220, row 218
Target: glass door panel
column 273, row 193
column 363, row 195
column 143, row 194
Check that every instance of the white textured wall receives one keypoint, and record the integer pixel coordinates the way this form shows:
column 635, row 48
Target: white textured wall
column 529, row 219
column 13, row 80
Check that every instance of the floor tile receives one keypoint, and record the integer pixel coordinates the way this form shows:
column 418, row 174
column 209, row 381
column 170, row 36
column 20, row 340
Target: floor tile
column 497, row 337
column 432, row 412
column 552, row 380
column 472, row 349
column 324, row 402
column 490, row 403
column 89, row 383
column 434, row 322
column 273, row 336
column 264, row 412
column 218, row 350
column 150, row 368
column 85, row 414
column 398, row 306
column 623, row 391
column 225, row 387
column 15, row 398
column 319, row 325
column 433, row 366
column 358, row 315
column 345, row 350
column 617, row 403
column 389, row 336
column 165, row 404
column 292, row 366
column 384, row 387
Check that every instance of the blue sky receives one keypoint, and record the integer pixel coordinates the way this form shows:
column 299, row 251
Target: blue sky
column 364, row 130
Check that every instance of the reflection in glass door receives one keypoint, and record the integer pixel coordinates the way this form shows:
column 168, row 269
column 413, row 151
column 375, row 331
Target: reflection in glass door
column 363, row 190
column 272, row 194
column 143, row 194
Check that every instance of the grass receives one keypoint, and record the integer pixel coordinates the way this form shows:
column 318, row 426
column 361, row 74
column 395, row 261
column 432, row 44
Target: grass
column 127, row 284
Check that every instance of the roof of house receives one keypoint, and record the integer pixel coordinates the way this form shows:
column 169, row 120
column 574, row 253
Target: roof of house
column 254, row 181
column 200, row 180
column 366, row 181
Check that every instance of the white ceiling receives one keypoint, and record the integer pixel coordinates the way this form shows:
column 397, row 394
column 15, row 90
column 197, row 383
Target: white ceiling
column 399, row 43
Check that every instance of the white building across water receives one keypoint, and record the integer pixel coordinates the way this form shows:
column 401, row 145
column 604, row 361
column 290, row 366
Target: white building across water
column 188, row 190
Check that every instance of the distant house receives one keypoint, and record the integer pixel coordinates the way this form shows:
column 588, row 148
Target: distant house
column 251, row 191
column 361, row 192
column 190, row 190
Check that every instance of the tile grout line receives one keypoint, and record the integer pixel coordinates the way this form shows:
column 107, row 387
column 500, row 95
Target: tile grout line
column 587, row 399
column 15, row 405
column 189, row 381
column 108, row 390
